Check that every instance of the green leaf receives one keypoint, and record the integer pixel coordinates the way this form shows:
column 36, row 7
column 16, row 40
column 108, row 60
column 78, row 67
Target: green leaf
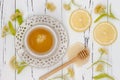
column 73, row 2
column 21, row 66
column 110, row 9
column 105, row 63
column 12, row 30
column 20, row 69
column 23, row 63
column 103, row 75
column 60, row 77
column 100, row 17
column 111, row 14
column 19, row 18
column 100, row 61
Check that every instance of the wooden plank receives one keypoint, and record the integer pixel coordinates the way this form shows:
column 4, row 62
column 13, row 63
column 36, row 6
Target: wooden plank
column 56, row 14
column 1, row 40
column 62, row 21
column 38, row 8
column 88, row 42
column 94, row 44
column 27, row 8
column 8, row 50
column 113, row 57
column 73, row 35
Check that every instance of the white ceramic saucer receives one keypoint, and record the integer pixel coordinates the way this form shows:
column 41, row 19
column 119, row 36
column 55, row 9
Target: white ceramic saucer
column 55, row 55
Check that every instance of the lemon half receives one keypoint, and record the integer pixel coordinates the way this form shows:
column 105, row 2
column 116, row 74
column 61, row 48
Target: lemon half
column 105, row 33
column 80, row 20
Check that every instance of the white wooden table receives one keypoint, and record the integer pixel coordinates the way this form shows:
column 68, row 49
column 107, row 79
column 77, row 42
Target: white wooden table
column 32, row 7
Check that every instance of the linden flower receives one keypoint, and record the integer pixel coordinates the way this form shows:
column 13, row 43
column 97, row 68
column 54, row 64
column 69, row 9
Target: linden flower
column 6, row 28
column 4, row 31
column 14, row 16
column 50, row 6
column 103, row 50
column 100, row 67
column 71, row 72
column 3, row 34
column 13, row 62
column 99, row 9
column 67, row 6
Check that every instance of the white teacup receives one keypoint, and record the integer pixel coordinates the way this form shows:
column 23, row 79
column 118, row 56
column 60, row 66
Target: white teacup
column 51, row 50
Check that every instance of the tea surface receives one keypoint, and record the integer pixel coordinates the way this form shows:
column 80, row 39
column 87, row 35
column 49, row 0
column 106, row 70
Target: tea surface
column 40, row 40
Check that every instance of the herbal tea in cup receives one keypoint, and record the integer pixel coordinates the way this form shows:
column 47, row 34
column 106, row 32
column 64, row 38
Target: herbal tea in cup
column 40, row 40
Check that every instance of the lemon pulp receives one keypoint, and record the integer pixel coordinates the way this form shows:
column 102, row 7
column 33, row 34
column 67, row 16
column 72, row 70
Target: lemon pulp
column 105, row 33
column 80, row 20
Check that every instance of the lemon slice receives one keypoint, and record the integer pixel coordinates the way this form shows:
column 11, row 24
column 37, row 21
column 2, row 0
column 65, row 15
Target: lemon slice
column 80, row 20
column 105, row 33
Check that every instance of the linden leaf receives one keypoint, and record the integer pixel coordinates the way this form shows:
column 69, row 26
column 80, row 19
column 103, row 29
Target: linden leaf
column 18, row 66
column 111, row 14
column 73, row 2
column 105, row 14
column 19, row 17
column 100, row 61
column 103, row 75
column 12, row 30
column 21, row 66
column 20, row 69
column 100, row 17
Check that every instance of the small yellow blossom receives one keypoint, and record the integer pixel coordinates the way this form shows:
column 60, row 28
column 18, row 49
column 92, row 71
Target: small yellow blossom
column 103, row 50
column 13, row 62
column 3, row 35
column 5, row 28
column 14, row 16
column 100, row 67
column 4, row 31
column 67, row 6
column 71, row 72
column 50, row 6
column 99, row 9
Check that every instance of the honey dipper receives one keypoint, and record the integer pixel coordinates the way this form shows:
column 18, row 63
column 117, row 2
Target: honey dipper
column 82, row 55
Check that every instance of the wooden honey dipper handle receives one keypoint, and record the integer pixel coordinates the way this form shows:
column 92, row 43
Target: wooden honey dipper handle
column 83, row 54
column 58, row 68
